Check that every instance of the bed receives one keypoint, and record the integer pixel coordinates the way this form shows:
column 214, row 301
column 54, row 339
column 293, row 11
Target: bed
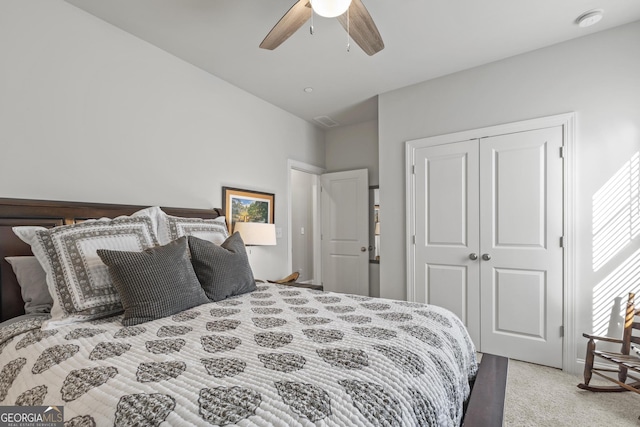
column 274, row 355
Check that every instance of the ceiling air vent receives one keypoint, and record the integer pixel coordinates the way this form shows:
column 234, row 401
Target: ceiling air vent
column 326, row 121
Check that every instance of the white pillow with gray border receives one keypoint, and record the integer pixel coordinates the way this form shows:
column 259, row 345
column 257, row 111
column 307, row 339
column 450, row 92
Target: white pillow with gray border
column 173, row 227
column 77, row 279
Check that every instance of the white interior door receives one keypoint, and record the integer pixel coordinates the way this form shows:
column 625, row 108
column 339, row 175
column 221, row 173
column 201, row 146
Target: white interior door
column 446, row 230
column 520, row 237
column 345, row 231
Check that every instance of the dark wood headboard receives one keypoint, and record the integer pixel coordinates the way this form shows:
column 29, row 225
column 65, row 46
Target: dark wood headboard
column 47, row 213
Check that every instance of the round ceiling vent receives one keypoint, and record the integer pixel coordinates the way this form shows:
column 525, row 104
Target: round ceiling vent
column 590, row 18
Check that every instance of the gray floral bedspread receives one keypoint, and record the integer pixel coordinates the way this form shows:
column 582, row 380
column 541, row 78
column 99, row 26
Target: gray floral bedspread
column 280, row 356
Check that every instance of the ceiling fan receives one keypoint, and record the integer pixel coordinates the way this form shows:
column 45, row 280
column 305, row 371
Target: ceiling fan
column 357, row 22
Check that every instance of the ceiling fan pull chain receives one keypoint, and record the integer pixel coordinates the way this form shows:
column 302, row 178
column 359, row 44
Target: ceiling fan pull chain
column 311, row 27
column 348, row 34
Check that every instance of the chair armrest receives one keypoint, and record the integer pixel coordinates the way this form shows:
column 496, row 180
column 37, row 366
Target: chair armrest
column 599, row 338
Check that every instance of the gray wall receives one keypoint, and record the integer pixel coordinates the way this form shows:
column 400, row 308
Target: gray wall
column 597, row 77
column 91, row 113
column 353, row 147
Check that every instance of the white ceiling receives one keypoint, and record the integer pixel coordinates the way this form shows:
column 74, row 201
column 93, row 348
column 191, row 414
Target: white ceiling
column 423, row 39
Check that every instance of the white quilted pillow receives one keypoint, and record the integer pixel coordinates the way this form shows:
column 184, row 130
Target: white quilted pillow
column 77, row 279
column 173, row 227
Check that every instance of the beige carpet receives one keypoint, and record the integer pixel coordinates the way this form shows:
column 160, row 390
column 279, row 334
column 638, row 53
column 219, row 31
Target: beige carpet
column 541, row 396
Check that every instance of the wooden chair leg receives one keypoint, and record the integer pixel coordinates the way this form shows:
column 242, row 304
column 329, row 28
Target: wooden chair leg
column 588, row 363
column 622, row 374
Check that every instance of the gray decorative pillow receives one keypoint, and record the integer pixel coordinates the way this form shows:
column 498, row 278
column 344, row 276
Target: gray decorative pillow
column 76, row 278
column 154, row 283
column 224, row 270
column 172, row 227
column 33, row 284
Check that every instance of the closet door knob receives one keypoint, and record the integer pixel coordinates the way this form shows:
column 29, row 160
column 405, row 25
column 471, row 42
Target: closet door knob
column 473, row 256
column 486, row 257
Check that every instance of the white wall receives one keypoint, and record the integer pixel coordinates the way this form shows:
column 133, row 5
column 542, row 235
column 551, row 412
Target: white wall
column 91, row 113
column 597, row 77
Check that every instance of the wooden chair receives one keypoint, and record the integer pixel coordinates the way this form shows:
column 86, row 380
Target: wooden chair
column 626, row 362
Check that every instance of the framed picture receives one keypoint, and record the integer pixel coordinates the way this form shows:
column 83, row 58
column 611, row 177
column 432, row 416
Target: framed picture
column 247, row 206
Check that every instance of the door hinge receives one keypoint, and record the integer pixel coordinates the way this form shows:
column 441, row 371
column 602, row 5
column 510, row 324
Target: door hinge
column 414, row 239
column 562, row 152
column 562, row 331
column 562, row 241
column 413, row 169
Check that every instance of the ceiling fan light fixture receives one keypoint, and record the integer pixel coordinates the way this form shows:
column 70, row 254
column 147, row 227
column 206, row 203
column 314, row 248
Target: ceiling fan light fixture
column 330, row 8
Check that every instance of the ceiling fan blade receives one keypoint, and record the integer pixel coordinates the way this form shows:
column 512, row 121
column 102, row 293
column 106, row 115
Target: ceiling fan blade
column 287, row 25
column 362, row 29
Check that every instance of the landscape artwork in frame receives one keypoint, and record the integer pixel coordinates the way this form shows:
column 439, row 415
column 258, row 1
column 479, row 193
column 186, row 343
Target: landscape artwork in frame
column 247, row 206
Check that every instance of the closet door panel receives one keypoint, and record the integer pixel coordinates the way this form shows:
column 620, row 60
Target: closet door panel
column 519, row 198
column 521, row 225
column 447, row 230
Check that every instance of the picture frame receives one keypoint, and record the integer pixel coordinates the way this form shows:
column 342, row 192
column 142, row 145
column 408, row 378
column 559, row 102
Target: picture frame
column 247, row 205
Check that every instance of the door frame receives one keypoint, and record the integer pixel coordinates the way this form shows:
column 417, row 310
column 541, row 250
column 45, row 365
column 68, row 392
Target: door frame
column 317, row 258
column 568, row 123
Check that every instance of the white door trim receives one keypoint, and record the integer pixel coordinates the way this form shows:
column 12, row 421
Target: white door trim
column 317, row 259
column 568, row 122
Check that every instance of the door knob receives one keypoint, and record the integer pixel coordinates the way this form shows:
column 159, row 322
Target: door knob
column 473, row 256
column 363, row 249
column 486, row 257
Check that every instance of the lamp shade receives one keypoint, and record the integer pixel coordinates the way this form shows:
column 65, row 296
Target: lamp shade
column 330, row 8
column 256, row 233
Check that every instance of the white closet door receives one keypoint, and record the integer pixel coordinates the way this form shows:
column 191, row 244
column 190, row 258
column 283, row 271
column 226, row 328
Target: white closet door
column 499, row 198
column 446, row 230
column 521, row 256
